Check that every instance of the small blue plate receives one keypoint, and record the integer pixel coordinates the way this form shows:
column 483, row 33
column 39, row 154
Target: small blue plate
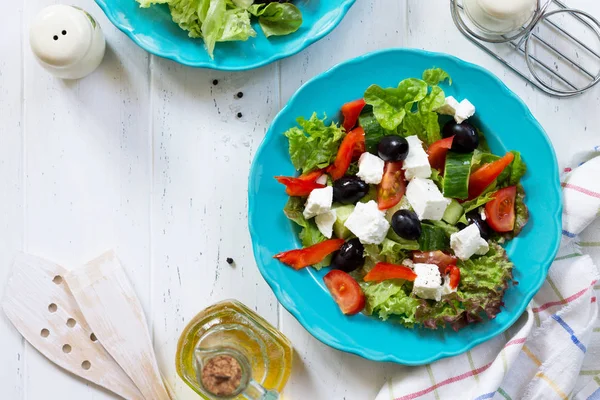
column 507, row 124
column 154, row 30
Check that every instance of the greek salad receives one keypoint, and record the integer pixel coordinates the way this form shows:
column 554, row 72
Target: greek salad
column 407, row 205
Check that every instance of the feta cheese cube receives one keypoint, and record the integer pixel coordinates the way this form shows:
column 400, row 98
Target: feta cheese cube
column 426, row 199
column 428, row 284
column 322, row 180
column 416, row 164
column 449, row 107
column 368, row 223
column 325, row 223
column 318, row 202
column 465, row 110
column 407, row 262
column 468, row 242
column 370, row 168
column 446, row 289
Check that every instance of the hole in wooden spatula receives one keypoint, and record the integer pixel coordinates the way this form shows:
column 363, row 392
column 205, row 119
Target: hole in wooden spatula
column 86, row 365
column 52, row 307
column 71, row 323
column 93, row 338
column 67, row 348
column 57, row 279
column 45, row 333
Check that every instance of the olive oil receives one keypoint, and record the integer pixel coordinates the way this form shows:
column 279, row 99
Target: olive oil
column 231, row 328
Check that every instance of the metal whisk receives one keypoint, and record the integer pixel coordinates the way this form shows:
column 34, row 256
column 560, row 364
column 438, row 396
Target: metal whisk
column 546, row 73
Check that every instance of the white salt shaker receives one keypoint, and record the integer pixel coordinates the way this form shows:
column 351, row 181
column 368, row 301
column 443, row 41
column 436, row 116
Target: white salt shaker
column 67, row 41
column 499, row 16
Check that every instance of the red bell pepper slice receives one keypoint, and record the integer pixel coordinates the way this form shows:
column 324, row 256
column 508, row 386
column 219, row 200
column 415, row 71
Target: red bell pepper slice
column 384, row 271
column 311, row 176
column 312, row 255
column 351, row 112
column 298, row 186
column 437, row 152
column 454, row 273
column 345, row 153
column 484, row 176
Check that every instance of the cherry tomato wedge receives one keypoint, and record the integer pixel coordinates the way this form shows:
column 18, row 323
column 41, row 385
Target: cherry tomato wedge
column 311, row 176
column 392, row 186
column 345, row 153
column 500, row 212
column 384, row 271
column 298, row 186
column 351, row 112
column 484, row 176
column 437, row 152
column 439, row 258
column 345, row 291
column 454, row 273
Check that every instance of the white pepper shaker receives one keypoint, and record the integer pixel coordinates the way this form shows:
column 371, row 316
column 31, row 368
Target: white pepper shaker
column 499, row 16
column 67, row 41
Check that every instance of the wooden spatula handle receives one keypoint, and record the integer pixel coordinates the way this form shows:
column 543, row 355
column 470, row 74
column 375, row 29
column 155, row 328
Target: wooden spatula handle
column 112, row 309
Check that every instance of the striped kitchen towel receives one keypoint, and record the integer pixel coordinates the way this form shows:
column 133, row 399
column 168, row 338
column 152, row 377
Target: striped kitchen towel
column 553, row 351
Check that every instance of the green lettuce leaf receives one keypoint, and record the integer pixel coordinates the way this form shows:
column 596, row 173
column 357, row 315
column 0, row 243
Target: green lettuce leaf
column 517, row 169
column 309, row 233
column 434, row 100
column 396, row 251
column 213, row 24
column 478, row 201
column 189, row 14
column 483, row 283
column 435, row 76
column 390, row 105
column 389, row 298
column 236, row 26
column 277, row 19
column 314, row 144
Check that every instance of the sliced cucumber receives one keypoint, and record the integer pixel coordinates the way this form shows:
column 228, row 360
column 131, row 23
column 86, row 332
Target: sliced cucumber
column 453, row 212
column 433, row 238
column 373, row 131
column 342, row 213
column 456, row 175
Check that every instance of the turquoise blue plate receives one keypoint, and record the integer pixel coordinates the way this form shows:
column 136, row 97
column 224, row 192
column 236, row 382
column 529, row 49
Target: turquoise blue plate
column 153, row 30
column 508, row 125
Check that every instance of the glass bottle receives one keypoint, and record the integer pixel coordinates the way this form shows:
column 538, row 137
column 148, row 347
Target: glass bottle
column 230, row 331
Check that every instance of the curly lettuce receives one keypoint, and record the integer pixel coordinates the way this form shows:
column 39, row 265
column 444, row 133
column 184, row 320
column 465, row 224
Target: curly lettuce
column 483, row 283
column 314, row 144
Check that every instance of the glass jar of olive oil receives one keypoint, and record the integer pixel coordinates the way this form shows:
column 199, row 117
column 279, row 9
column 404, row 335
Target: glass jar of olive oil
column 229, row 352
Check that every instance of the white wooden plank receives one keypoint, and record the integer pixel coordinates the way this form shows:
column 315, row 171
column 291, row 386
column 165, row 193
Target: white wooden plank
column 202, row 154
column 11, row 197
column 88, row 175
column 320, row 372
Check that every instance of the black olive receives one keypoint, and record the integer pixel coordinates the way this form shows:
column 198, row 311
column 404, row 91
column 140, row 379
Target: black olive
column 349, row 190
column 475, row 218
column 466, row 138
column 349, row 257
column 406, row 224
column 392, row 148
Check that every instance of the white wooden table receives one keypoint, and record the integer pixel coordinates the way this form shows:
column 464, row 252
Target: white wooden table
column 150, row 158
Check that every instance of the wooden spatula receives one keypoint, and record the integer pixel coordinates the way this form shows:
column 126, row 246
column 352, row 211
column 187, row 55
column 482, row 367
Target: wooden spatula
column 107, row 299
column 39, row 304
